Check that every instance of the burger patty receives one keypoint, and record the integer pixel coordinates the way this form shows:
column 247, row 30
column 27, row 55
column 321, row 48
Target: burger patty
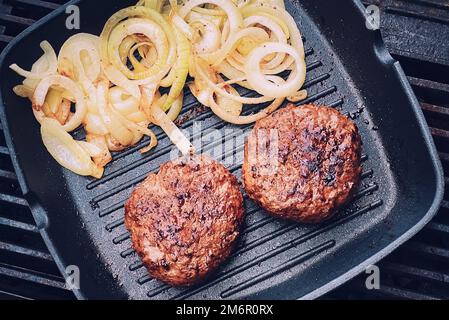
column 185, row 220
column 302, row 163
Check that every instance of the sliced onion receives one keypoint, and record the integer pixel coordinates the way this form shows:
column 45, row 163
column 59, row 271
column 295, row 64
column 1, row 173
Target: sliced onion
column 81, row 52
column 139, row 66
column 218, row 20
column 125, row 47
column 176, row 108
column 230, row 106
column 90, row 148
column 40, row 66
column 95, row 125
column 66, row 151
column 99, row 141
column 280, row 13
column 232, row 73
column 180, row 70
column 140, row 12
column 51, row 61
column 262, row 84
column 281, row 23
column 211, row 37
column 233, row 14
column 122, row 101
column 208, row 11
column 23, row 91
column 114, row 145
column 218, row 89
column 117, row 78
column 202, row 95
column 298, row 96
column 111, row 121
column 63, row 112
column 53, row 99
column 149, row 96
column 137, row 117
column 172, row 131
column 149, row 29
column 138, row 130
column 217, row 57
column 183, row 26
column 240, row 120
column 277, row 34
column 67, row 84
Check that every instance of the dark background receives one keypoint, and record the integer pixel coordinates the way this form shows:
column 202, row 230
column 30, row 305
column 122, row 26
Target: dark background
column 416, row 33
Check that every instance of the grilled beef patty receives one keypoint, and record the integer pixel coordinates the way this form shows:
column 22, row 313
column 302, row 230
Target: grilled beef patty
column 308, row 168
column 185, row 220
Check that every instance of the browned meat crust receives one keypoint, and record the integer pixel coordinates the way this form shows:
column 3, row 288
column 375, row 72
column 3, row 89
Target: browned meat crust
column 185, row 220
column 316, row 167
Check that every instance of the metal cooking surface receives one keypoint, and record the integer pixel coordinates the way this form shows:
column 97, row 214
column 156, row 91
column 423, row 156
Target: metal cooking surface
column 108, row 194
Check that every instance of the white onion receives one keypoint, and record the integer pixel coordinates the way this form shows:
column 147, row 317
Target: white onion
column 262, row 84
column 183, row 26
column 67, row 84
column 119, row 79
column 66, row 151
column 149, row 29
column 277, row 34
column 49, row 58
column 122, row 101
column 218, row 89
column 234, row 16
column 217, row 57
column 72, row 51
column 95, row 125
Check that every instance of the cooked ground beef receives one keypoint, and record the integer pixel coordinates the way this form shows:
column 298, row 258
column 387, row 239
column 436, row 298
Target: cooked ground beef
column 185, row 220
column 309, row 168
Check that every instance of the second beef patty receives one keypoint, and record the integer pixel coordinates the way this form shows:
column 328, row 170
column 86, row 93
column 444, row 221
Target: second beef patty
column 302, row 163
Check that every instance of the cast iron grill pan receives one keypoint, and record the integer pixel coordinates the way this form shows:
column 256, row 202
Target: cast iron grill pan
column 82, row 222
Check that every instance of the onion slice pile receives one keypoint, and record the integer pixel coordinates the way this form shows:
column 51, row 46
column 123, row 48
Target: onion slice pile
column 260, row 49
column 111, row 85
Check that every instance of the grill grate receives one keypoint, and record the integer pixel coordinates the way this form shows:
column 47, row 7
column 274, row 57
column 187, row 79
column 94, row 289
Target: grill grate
column 27, row 270
column 416, row 271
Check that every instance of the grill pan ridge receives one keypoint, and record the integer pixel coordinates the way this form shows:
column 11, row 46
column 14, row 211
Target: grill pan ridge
column 348, row 68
